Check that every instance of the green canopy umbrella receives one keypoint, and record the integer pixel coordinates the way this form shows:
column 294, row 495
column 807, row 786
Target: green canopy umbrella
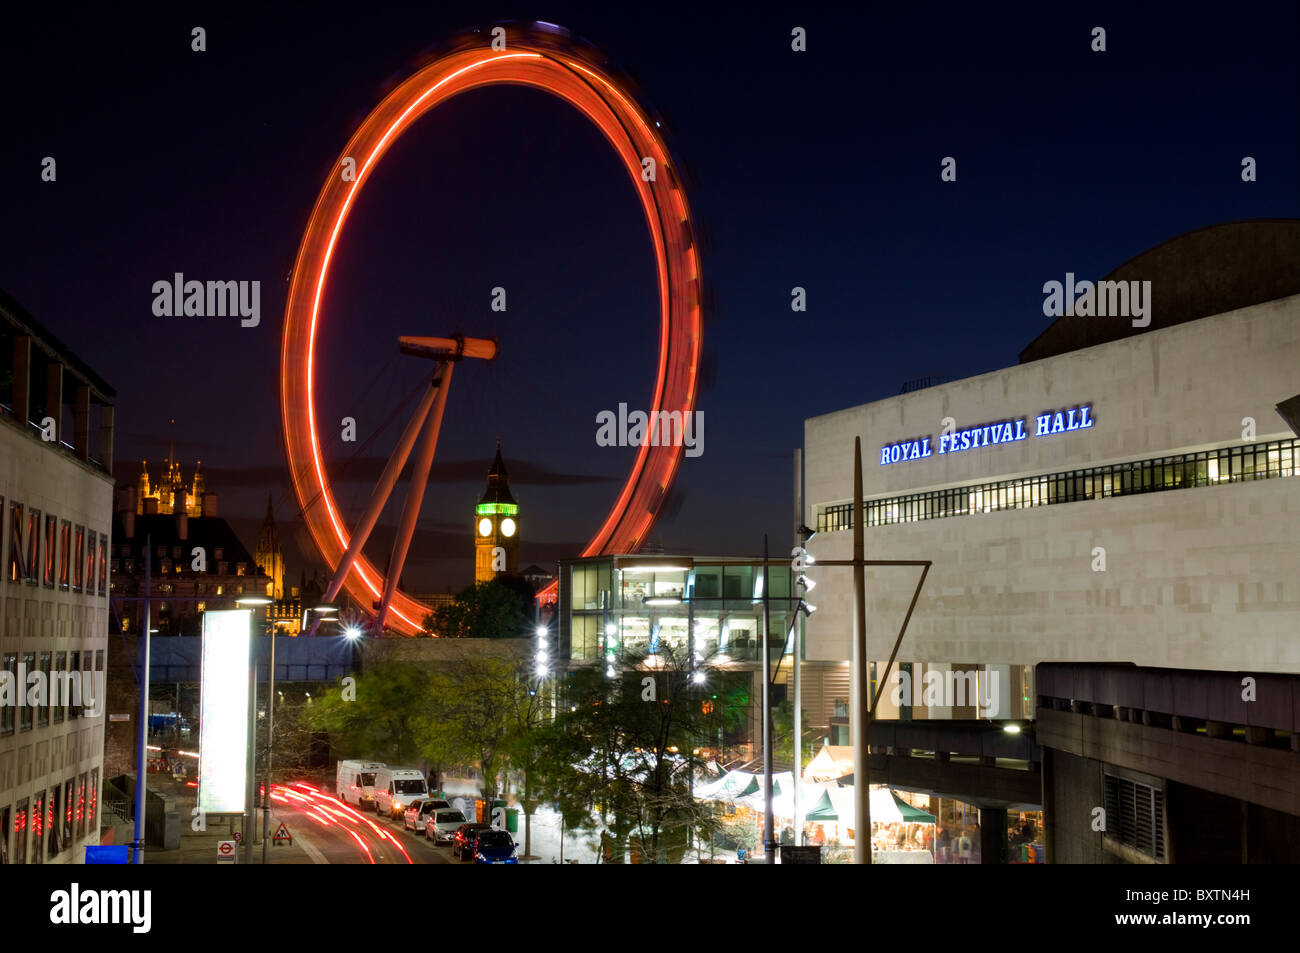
column 823, row 810
column 913, row 815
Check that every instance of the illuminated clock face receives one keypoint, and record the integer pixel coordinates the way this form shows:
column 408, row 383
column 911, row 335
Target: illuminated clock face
column 484, row 526
column 508, row 526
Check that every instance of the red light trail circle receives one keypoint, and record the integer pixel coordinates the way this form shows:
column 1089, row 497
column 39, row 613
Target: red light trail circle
column 578, row 81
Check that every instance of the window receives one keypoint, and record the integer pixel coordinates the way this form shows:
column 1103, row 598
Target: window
column 103, row 564
column 92, row 806
column 1135, row 815
column 69, row 810
column 27, row 666
column 4, row 835
column 65, row 552
column 38, row 828
column 33, row 566
column 78, row 557
column 81, row 806
column 92, row 550
column 60, row 665
column 51, row 525
column 74, row 665
column 55, row 826
column 44, row 703
column 17, row 553
column 20, row 832
column 7, row 711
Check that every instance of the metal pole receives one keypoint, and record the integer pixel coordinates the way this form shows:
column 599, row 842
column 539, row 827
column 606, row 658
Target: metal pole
column 415, row 495
column 379, row 496
column 270, row 732
column 690, row 689
column 796, row 663
column 769, row 848
column 250, row 805
column 862, row 691
column 143, row 737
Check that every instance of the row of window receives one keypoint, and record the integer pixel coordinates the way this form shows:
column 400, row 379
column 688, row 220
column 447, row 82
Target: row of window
column 165, row 566
column 71, row 557
column 1279, row 458
column 52, row 821
column 161, row 551
column 73, row 698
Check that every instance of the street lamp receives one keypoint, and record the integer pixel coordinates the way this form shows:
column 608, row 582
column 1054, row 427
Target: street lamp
column 270, row 725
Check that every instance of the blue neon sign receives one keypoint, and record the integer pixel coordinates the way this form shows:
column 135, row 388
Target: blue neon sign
column 1046, row 424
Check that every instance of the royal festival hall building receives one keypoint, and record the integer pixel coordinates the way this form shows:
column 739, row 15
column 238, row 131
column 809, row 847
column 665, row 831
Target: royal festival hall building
column 1114, row 526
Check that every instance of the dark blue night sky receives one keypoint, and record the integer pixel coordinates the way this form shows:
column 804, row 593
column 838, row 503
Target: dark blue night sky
column 817, row 169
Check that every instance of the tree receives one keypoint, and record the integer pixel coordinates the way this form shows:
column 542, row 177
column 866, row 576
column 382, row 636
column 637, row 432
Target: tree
column 783, row 735
column 633, row 742
column 473, row 698
column 524, row 746
column 499, row 609
column 379, row 715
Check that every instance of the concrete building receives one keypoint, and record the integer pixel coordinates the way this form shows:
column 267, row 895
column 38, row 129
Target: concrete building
column 56, row 455
column 1126, row 493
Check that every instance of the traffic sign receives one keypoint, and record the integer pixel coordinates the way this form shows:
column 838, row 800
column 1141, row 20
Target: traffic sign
column 281, row 833
column 226, row 851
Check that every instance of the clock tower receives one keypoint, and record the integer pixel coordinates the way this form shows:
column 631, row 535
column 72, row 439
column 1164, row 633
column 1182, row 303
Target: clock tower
column 496, row 525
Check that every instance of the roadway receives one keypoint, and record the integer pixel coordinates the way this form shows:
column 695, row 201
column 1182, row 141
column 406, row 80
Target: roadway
column 336, row 833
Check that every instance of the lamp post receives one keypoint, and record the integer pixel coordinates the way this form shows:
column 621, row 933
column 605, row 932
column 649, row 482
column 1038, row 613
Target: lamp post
column 137, row 853
column 270, row 728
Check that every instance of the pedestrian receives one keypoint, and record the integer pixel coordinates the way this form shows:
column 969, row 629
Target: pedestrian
column 963, row 848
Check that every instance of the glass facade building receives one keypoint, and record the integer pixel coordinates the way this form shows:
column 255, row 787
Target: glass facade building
column 624, row 606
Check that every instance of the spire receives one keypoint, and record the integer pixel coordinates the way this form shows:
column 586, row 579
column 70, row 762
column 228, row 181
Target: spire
column 270, row 512
column 498, row 484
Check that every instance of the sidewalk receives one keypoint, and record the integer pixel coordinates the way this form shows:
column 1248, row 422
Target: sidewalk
column 201, row 847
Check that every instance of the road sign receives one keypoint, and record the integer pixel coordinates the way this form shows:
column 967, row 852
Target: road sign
column 239, row 835
column 226, row 852
column 281, row 833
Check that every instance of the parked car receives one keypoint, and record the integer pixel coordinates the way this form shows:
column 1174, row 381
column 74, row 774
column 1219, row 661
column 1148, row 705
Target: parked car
column 441, row 825
column 413, row 816
column 461, row 840
column 495, row 847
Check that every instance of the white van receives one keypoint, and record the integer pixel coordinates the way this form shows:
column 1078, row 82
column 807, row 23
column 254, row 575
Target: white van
column 396, row 788
column 354, row 782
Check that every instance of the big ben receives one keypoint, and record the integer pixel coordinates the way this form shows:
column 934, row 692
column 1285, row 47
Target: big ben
column 496, row 525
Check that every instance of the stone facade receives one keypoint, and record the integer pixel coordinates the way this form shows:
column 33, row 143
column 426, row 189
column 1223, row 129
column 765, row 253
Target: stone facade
column 1201, row 577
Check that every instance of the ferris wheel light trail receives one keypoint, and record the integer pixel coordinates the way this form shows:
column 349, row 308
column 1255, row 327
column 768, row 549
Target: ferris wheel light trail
column 548, row 65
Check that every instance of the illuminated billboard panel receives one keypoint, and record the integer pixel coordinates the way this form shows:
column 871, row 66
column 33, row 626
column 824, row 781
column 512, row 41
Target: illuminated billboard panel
column 223, row 728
